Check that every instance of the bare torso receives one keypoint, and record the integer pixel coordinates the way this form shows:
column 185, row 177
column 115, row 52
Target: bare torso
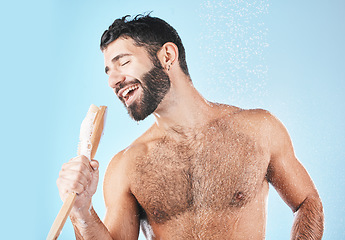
column 209, row 183
column 200, row 172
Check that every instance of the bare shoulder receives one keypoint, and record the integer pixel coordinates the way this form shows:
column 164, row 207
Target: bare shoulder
column 270, row 127
column 123, row 162
column 224, row 109
column 258, row 116
column 265, row 121
column 258, row 123
column 272, row 124
column 120, row 166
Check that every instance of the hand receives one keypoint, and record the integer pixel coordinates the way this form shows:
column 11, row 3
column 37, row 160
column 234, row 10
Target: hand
column 81, row 176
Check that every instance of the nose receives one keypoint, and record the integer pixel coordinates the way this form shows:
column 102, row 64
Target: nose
column 115, row 78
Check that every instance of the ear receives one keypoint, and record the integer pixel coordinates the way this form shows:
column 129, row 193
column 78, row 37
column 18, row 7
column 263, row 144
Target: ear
column 168, row 55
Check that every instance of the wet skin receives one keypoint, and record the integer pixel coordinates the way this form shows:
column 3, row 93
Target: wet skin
column 210, row 181
column 207, row 183
column 201, row 171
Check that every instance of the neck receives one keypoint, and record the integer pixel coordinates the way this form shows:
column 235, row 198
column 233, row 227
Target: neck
column 183, row 107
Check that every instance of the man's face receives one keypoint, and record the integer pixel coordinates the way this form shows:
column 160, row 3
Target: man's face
column 138, row 82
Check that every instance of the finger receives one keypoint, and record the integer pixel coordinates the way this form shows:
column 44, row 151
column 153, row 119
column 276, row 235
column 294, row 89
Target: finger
column 80, row 158
column 75, row 166
column 66, row 185
column 69, row 179
column 74, row 176
column 85, row 161
column 94, row 164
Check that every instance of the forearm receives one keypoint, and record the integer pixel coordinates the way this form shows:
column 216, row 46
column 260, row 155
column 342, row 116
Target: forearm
column 89, row 226
column 309, row 220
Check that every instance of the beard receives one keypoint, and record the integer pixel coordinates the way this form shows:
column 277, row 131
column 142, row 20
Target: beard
column 155, row 85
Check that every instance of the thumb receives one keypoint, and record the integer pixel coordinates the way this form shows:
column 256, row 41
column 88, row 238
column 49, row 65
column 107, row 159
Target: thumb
column 94, row 164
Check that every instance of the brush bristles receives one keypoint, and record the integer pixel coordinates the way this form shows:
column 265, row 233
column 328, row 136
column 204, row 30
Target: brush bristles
column 86, row 129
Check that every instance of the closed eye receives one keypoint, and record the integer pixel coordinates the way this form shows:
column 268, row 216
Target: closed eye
column 125, row 63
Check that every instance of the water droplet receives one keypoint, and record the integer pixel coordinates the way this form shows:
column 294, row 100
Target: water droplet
column 234, row 42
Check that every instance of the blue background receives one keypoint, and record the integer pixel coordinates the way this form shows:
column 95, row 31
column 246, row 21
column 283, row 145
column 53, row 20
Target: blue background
column 287, row 57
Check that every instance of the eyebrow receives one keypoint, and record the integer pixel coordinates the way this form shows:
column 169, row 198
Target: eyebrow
column 117, row 58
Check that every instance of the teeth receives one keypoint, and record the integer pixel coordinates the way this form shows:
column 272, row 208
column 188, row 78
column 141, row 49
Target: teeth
column 125, row 92
column 128, row 90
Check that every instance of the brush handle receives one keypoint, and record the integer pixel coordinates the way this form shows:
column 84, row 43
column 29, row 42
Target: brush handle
column 69, row 202
column 98, row 129
column 62, row 217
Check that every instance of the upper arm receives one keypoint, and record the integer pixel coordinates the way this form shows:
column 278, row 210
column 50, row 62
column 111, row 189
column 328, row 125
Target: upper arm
column 122, row 211
column 285, row 172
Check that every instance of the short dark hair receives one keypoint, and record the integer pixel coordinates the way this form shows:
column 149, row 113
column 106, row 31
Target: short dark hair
column 149, row 32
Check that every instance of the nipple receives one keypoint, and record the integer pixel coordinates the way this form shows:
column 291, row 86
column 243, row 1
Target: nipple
column 237, row 199
column 160, row 216
column 239, row 195
column 156, row 213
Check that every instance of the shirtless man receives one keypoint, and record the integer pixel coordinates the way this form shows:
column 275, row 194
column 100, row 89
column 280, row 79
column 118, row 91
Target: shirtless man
column 202, row 171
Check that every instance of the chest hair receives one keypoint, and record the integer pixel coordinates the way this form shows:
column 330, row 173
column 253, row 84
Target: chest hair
column 218, row 168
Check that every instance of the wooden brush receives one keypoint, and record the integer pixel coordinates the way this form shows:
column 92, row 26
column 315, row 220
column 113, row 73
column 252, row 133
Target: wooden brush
column 91, row 131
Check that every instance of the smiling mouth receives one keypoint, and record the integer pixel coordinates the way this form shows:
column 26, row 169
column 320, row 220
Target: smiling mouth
column 128, row 93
